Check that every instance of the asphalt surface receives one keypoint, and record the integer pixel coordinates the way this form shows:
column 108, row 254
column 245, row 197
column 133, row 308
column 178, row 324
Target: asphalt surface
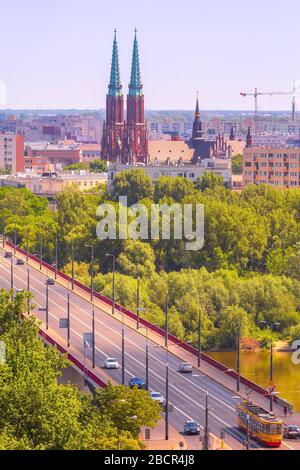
column 186, row 392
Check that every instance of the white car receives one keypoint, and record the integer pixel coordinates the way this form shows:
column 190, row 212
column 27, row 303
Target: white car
column 111, row 363
column 156, row 396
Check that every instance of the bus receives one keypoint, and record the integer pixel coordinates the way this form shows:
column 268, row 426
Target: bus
column 263, row 426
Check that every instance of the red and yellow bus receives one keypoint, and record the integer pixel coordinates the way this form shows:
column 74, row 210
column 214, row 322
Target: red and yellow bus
column 263, row 426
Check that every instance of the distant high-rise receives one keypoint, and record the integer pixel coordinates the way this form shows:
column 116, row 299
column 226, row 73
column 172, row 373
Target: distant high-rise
column 125, row 142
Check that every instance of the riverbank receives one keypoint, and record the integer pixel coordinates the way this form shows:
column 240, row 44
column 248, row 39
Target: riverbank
column 255, row 365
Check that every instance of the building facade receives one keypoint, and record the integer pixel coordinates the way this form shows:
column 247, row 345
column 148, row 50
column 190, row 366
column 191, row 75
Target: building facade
column 125, row 141
column 11, row 151
column 219, row 167
column 279, row 167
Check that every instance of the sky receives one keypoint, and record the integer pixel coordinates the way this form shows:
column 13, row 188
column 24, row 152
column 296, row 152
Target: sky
column 57, row 53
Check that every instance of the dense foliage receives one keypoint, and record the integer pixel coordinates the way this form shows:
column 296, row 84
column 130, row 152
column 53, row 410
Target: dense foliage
column 249, row 265
column 38, row 413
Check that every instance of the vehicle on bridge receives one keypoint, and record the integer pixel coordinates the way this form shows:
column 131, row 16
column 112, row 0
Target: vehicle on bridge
column 262, row 425
column 291, row 432
column 20, row 262
column 111, row 363
column 137, row 382
column 191, row 428
column 157, row 396
column 185, row 368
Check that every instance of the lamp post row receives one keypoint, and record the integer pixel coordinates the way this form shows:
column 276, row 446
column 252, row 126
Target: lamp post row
column 138, row 316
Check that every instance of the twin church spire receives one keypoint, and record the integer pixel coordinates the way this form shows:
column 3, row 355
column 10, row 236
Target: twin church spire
column 125, row 142
column 135, row 85
column 115, row 86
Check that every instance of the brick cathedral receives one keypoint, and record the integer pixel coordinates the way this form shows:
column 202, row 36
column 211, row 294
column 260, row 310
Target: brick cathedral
column 125, row 141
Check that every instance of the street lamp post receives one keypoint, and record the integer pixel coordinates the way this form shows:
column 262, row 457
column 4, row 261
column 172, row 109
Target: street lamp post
column 271, row 326
column 167, row 320
column 93, row 333
column 167, row 399
column 27, row 246
column 205, row 444
column 206, row 430
column 91, row 246
column 138, row 304
column 113, row 281
column 41, row 251
column 15, row 239
column 56, row 254
column 11, row 273
column 28, row 290
column 47, row 305
column 238, row 366
column 123, row 349
column 199, row 338
column 147, row 360
column 72, row 265
column 68, row 331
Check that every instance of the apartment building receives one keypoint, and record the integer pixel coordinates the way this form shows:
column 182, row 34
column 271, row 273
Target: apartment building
column 12, row 151
column 279, row 167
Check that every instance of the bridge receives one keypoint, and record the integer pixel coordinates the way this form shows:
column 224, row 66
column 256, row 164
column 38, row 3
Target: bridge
column 117, row 336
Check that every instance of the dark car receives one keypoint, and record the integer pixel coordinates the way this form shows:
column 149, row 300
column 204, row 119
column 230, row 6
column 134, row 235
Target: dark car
column 8, row 254
column 20, row 262
column 50, row 282
column 291, row 432
column 191, row 427
column 137, row 382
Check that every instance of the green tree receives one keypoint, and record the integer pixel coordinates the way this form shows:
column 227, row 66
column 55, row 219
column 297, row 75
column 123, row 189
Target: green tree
column 137, row 259
column 77, row 166
column 209, row 181
column 237, row 164
column 129, row 409
column 135, row 184
column 98, row 166
column 176, row 188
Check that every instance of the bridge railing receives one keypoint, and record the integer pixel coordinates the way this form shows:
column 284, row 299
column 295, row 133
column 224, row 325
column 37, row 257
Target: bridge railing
column 172, row 338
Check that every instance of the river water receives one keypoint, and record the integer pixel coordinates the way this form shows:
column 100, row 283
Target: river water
column 256, row 367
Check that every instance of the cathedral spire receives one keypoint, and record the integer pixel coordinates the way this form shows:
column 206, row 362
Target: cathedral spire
column 197, row 125
column 115, row 87
column 135, row 85
column 197, row 112
column 249, row 138
column 232, row 136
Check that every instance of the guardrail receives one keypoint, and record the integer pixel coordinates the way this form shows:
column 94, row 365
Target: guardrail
column 172, row 338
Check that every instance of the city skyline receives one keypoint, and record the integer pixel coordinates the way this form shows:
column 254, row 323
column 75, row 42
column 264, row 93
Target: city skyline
column 61, row 56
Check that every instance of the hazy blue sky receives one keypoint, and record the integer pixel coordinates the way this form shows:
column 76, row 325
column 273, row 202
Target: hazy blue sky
column 56, row 53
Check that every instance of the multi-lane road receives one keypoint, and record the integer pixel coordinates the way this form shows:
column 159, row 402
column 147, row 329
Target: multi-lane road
column 186, row 392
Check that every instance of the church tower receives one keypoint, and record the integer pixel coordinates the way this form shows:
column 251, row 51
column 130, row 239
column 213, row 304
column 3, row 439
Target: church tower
column 197, row 125
column 249, row 141
column 113, row 128
column 136, row 141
